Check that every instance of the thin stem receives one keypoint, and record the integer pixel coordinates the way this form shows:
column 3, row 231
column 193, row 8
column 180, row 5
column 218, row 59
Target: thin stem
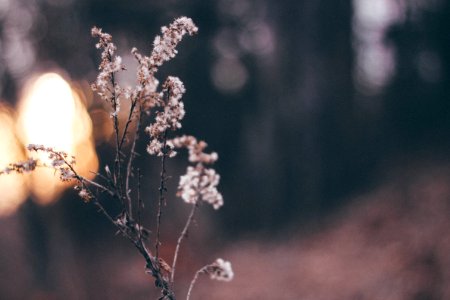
column 180, row 239
column 162, row 189
column 129, row 120
column 103, row 188
column 194, row 280
column 130, row 162
column 139, row 205
column 117, row 165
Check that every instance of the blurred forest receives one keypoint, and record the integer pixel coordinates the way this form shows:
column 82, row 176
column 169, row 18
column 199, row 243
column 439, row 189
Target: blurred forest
column 332, row 124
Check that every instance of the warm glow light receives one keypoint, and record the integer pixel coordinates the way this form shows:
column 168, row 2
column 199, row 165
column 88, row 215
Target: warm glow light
column 51, row 114
column 13, row 186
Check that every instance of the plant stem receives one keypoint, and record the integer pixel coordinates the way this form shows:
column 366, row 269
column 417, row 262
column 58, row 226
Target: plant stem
column 180, row 239
column 194, row 280
column 162, row 189
column 130, row 162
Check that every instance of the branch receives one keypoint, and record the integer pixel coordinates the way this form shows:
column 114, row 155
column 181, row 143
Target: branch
column 130, row 161
column 180, row 239
column 162, row 189
column 194, row 280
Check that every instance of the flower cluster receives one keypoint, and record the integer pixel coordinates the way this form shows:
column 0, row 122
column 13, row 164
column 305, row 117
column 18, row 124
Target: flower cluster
column 195, row 149
column 105, row 86
column 168, row 119
column 84, row 193
column 20, row 167
column 200, row 183
column 164, row 47
column 220, row 270
column 166, row 107
column 59, row 160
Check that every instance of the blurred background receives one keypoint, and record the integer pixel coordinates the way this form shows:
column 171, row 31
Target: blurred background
column 332, row 124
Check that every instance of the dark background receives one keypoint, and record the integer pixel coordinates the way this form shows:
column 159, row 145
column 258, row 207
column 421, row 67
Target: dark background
column 284, row 91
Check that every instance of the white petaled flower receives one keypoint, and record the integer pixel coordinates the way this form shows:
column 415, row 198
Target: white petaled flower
column 220, row 270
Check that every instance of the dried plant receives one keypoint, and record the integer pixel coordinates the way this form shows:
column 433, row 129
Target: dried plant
column 164, row 107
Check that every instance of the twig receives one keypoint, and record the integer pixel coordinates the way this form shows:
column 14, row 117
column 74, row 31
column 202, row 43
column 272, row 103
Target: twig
column 153, row 266
column 139, row 205
column 194, row 280
column 129, row 120
column 117, row 171
column 180, row 239
column 130, row 162
column 162, row 189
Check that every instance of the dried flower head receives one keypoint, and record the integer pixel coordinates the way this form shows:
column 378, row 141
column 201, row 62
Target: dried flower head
column 220, row 270
column 196, row 149
column 20, row 167
column 59, row 160
column 164, row 47
column 105, row 86
column 200, row 183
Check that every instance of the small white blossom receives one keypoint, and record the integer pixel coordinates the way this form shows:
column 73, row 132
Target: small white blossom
column 220, row 270
column 85, row 195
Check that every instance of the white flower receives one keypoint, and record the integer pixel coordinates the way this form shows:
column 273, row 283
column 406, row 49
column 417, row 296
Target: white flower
column 220, row 270
column 21, row 167
column 200, row 183
column 105, row 87
column 66, row 174
column 195, row 148
column 164, row 46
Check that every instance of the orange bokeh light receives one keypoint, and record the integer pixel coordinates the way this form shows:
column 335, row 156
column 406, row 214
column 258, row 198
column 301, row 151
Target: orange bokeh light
column 13, row 186
column 51, row 114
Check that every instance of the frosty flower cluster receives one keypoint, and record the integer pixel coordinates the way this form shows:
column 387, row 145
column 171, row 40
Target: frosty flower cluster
column 105, row 86
column 200, row 183
column 20, row 167
column 164, row 47
column 195, row 149
column 220, row 270
column 168, row 119
column 59, row 160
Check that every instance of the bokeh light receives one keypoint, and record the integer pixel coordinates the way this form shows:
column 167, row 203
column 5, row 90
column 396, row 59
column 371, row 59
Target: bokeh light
column 51, row 114
column 13, row 186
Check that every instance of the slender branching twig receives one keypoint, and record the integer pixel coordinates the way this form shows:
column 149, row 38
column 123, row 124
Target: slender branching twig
column 180, row 239
column 162, row 190
column 130, row 162
column 194, row 280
